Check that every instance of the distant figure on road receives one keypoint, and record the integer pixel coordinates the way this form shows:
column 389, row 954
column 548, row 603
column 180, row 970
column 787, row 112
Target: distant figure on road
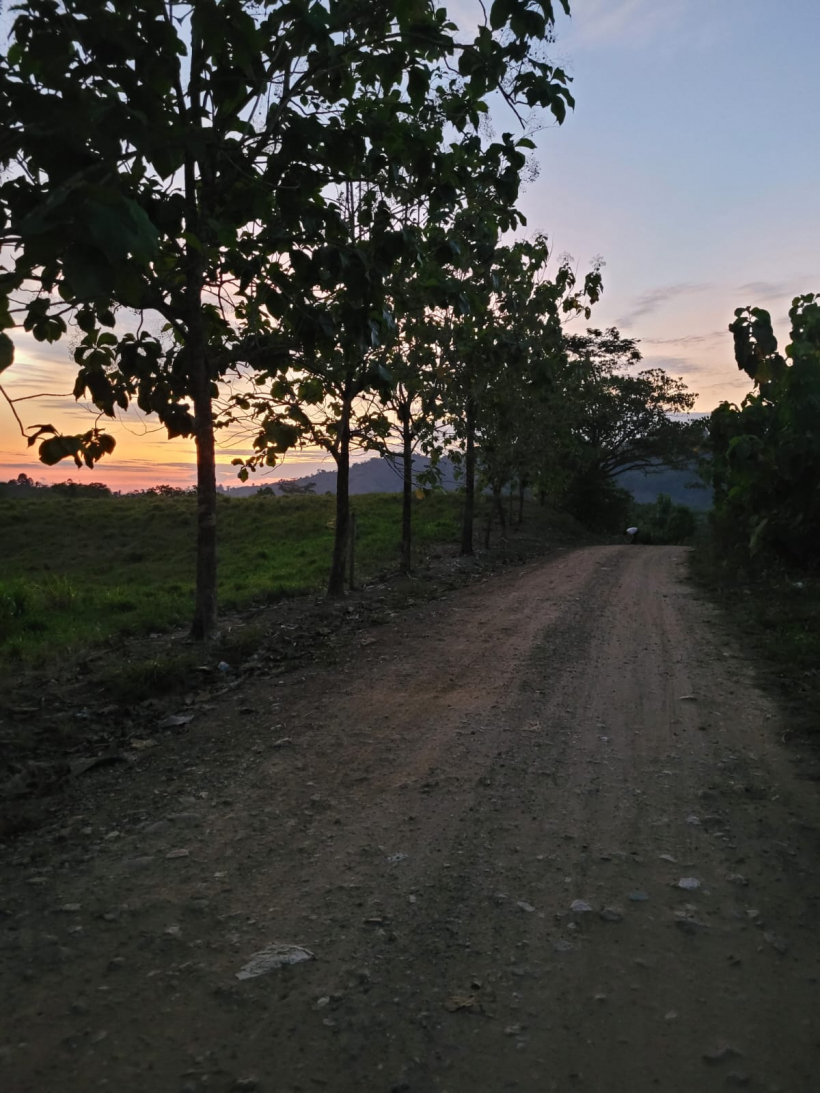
column 630, row 534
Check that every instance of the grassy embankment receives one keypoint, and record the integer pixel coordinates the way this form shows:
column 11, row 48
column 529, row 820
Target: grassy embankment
column 78, row 570
column 776, row 613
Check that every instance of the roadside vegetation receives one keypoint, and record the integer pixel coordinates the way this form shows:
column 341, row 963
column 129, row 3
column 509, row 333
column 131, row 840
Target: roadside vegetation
column 664, row 523
column 242, row 226
column 79, row 571
column 760, row 557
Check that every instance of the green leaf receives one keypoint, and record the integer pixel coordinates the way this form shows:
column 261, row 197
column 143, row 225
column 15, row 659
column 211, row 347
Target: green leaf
column 500, row 13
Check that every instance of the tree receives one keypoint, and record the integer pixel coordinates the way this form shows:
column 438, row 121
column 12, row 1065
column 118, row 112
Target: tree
column 616, row 421
column 172, row 159
column 765, row 454
column 414, row 399
column 325, row 392
column 162, row 155
column 663, row 522
column 500, row 351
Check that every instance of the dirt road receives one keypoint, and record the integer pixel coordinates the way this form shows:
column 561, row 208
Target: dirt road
column 541, row 835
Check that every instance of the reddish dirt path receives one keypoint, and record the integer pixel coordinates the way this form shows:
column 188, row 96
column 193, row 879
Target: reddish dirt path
column 580, row 729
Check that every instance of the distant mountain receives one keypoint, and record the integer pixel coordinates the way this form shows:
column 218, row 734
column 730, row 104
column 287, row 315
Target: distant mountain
column 375, row 475
column 380, row 475
column 684, row 487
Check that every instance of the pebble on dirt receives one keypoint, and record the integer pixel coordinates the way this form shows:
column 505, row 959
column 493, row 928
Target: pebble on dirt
column 611, row 914
column 776, row 942
column 176, row 721
column 273, row 956
column 721, row 1053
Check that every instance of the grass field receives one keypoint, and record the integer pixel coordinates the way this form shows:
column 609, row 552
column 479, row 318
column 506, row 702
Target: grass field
column 78, row 570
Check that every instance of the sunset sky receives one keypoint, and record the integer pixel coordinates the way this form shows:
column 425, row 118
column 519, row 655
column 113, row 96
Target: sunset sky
column 690, row 164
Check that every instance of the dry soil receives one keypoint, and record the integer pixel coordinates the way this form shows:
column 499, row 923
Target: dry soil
column 541, row 835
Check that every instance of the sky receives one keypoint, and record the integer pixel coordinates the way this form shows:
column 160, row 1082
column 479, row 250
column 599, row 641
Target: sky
column 690, row 165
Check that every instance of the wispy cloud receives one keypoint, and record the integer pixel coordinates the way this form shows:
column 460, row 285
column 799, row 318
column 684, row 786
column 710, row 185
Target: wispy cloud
column 687, row 24
column 688, row 339
column 670, row 364
column 657, row 298
column 693, row 371
column 635, row 22
column 777, row 290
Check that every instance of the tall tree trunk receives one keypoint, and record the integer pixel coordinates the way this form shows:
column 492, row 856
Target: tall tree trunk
column 351, row 573
column 469, row 480
column 511, row 502
column 205, row 610
column 488, row 527
column 498, row 502
column 407, row 492
column 336, row 583
column 522, row 485
column 196, row 359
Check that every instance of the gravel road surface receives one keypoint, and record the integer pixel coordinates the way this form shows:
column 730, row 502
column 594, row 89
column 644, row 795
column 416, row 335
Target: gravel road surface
column 542, row 834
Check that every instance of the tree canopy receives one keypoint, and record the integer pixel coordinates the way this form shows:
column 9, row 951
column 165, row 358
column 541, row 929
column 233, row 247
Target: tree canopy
column 175, row 160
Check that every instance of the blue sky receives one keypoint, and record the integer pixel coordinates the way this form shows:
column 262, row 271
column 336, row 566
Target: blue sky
column 691, row 165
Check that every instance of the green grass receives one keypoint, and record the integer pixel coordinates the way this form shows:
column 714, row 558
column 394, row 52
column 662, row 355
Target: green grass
column 76, row 571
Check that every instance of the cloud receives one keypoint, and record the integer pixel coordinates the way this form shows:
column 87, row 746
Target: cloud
column 657, row 297
column 688, row 339
column 670, row 364
column 693, row 372
column 775, row 290
column 636, row 22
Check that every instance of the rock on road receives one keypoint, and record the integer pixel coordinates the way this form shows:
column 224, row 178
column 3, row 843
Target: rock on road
column 541, row 835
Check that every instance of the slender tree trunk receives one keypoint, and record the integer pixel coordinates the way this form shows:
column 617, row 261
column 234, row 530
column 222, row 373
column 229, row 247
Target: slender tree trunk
column 196, row 359
column 351, row 574
column 469, row 480
column 488, row 527
column 205, row 610
column 510, row 502
column 336, row 583
column 522, row 485
column 407, row 493
column 498, row 503
column 542, row 498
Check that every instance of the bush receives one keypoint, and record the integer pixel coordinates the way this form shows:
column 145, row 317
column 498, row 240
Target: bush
column 765, row 454
column 662, row 523
column 598, row 504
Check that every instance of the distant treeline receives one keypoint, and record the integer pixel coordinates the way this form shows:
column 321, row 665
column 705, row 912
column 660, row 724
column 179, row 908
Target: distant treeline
column 25, row 486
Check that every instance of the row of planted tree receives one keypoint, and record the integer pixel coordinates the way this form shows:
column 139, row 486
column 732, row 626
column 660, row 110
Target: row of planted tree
column 288, row 219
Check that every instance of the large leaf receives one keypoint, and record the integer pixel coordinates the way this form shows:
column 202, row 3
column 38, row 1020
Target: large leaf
column 58, row 448
column 6, row 352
